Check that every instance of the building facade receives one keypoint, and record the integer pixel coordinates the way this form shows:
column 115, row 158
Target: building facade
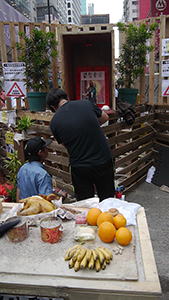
column 73, row 12
column 91, row 9
column 51, row 10
column 83, row 7
column 23, row 7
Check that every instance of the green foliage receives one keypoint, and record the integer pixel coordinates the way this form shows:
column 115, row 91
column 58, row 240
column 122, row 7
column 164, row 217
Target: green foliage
column 24, row 123
column 133, row 55
column 36, row 52
column 13, row 165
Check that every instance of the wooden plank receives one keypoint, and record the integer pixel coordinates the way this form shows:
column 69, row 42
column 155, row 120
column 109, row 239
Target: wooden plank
column 151, row 67
column 129, row 135
column 2, row 43
column 13, row 42
column 129, row 157
column 162, row 36
column 162, row 116
column 54, row 63
column 136, row 164
column 113, row 104
column 162, row 137
column 59, row 159
column 66, row 177
column 161, row 126
column 133, row 145
column 135, row 176
column 135, row 185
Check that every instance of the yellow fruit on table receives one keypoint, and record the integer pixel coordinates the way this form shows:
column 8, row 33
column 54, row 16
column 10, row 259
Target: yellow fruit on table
column 119, row 221
column 92, row 216
column 106, row 232
column 123, row 236
column 104, row 217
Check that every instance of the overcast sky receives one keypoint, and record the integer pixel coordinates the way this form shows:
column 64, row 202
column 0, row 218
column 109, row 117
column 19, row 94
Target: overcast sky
column 115, row 10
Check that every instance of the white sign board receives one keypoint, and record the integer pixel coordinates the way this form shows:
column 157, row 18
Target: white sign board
column 165, row 47
column 15, row 88
column 165, row 68
column 14, row 71
column 165, row 88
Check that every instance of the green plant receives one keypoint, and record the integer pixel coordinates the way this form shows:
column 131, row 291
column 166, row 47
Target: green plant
column 36, row 52
column 13, row 165
column 25, row 123
column 133, row 52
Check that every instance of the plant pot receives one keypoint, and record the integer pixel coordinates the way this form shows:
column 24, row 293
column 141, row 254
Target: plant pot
column 128, row 95
column 37, row 101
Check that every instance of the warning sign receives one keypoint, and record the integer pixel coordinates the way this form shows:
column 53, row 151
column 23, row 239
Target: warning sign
column 165, row 88
column 15, row 89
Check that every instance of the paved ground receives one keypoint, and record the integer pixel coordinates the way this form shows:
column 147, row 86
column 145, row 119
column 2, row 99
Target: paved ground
column 156, row 205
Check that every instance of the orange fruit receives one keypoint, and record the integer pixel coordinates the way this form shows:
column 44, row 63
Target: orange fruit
column 104, row 217
column 119, row 221
column 123, row 236
column 106, row 232
column 92, row 216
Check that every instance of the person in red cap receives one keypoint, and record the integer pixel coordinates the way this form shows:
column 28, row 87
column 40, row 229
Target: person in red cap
column 32, row 178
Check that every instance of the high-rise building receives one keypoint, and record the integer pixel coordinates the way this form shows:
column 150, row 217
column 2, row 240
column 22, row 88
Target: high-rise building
column 73, row 12
column 90, row 8
column 51, row 10
column 130, row 10
column 26, row 8
column 83, row 7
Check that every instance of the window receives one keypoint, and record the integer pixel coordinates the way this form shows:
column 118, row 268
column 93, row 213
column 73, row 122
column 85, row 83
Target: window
column 68, row 5
column 69, row 19
column 69, row 12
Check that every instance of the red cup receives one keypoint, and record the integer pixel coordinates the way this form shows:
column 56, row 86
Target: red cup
column 51, row 230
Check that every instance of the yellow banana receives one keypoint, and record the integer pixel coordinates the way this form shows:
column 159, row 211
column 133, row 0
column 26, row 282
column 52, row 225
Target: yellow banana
column 71, row 253
column 88, row 255
column 95, row 254
column 74, row 257
column 77, row 265
column 103, row 266
column 105, row 253
column 101, row 256
column 81, row 254
column 91, row 261
column 83, row 262
column 71, row 248
column 107, row 261
column 108, row 251
column 97, row 265
column 71, row 263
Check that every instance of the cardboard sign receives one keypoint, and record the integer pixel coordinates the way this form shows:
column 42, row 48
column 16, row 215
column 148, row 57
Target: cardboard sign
column 165, row 88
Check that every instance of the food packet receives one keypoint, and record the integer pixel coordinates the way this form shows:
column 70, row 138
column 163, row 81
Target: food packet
column 84, row 233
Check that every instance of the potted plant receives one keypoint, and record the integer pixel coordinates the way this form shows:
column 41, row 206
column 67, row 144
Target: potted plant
column 37, row 51
column 13, row 165
column 133, row 56
column 24, row 124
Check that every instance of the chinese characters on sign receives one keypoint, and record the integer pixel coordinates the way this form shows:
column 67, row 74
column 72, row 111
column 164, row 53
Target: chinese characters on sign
column 14, row 75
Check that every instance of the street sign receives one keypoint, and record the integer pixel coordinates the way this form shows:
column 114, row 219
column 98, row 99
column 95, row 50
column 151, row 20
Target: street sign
column 14, row 71
column 15, row 88
column 165, row 47
column 165, row 68
column 165, row 88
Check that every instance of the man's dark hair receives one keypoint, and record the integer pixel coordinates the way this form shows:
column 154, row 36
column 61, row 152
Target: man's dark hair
column 53, row 98
column 34, row 157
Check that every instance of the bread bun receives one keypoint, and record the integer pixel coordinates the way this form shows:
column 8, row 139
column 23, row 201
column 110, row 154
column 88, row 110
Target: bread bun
column 113, row 212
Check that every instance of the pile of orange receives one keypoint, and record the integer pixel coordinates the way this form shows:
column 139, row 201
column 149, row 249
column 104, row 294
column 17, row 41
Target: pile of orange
column 104, row 217
column 119, row 221
column 107, row 226
column 106, row 232
column 93, row 215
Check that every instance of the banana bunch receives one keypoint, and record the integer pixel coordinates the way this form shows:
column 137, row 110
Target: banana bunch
column 80, row 258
